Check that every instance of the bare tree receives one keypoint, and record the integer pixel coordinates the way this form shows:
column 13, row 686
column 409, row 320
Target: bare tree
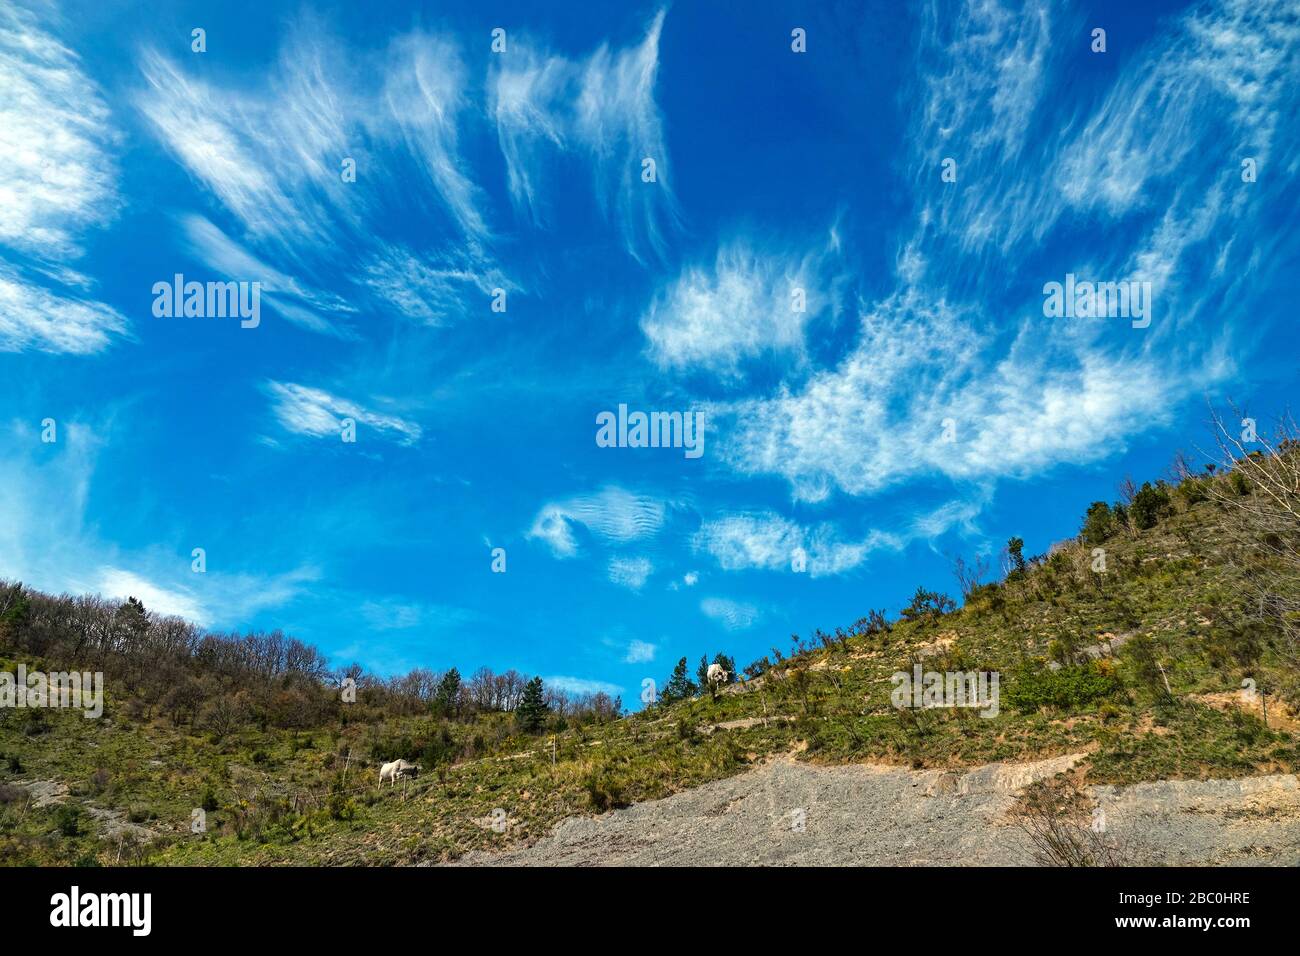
column 969, row 576
column 1127, row 490
column 1259, row 482
column 1065, row 828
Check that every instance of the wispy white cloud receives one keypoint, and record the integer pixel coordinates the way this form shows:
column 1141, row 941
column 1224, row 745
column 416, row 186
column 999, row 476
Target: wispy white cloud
column 733, row 615
column 272, row 156
column 640, row 652
column 767, row 541
column 1225, row 69
column 47, row 542
column 525, row 100
column 747, row 304
column 315, row 412
column 397, row 614
column 581, row 685
column 423, row 92
column 603, row 107
column 918, row 395
column 613, row 514
column 770, row 542
column 34, row 318
column 1234, row 58
column 56, row 142
column 430, row 292
column 311, row 308
column 114, row 583
column 619, row 122
column 938, row 384
column 267, row 157
column 630, row 573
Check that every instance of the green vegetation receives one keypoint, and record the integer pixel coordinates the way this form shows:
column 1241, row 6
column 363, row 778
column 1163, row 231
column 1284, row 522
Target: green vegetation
column 1137, row 659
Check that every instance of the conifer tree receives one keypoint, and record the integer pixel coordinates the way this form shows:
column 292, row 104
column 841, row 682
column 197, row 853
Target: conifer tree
column 532, row 709
column 679, row 686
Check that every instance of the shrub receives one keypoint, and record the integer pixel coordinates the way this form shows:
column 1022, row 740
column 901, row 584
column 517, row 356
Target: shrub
column 1098, row 524
column 1150, row 504
column 341, row 808
column 68, row 820
column 11, row 794
column 442, row 749
column 603, row 790
column 1072, row 686
column 1192, row 489
column 100, row 781
column 928, row 606
column 1056, row 816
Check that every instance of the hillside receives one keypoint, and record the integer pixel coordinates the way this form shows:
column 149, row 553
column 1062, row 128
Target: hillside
column 1135, row 672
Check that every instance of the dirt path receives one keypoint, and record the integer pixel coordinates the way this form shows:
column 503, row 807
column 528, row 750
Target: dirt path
column 789, row 813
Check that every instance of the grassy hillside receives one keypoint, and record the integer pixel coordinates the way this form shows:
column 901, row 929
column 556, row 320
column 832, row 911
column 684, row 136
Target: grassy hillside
column 1140, row 666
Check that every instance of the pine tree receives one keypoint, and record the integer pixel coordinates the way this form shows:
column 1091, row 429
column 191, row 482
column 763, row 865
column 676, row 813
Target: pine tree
column 1016, row 549
column 679, row 686
column 728, row 665
column 532, row 709
column 447, row 697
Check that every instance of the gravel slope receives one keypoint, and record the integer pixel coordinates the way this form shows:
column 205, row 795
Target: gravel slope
column 871, row 815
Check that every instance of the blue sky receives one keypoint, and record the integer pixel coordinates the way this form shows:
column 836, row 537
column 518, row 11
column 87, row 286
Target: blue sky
column 921, row 405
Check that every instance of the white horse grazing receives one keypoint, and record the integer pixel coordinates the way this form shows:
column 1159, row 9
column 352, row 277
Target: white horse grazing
column 717, row 676
column 398, row 768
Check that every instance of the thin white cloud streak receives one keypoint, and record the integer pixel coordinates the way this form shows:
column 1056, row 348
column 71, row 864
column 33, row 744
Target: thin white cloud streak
column 56, row 142
column 33, row 318
column 603, row 108
column 431, row 290
column 423, row 93
column 313, row 309
column 58, row 180
column 396, row 614
column 525, row 93
column 272, row 156
column 317, row 413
